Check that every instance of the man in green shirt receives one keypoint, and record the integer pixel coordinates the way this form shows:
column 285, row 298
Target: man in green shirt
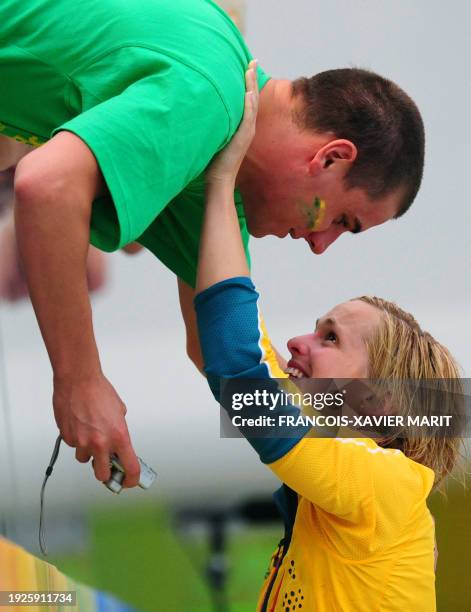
column 130, row 102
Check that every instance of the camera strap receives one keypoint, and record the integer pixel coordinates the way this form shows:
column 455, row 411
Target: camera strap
column 42, row 538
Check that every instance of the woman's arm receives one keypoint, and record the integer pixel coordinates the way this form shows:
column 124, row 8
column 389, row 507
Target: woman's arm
column 221, row 254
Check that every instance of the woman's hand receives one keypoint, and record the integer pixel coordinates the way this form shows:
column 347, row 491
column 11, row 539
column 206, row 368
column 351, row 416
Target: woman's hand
column 225, row 166
column 221, row 254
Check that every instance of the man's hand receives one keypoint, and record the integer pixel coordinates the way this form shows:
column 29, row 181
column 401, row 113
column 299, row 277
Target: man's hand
column 90, row 416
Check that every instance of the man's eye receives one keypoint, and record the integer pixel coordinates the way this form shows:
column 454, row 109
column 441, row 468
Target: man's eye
column 342, row 221
column 331, row 337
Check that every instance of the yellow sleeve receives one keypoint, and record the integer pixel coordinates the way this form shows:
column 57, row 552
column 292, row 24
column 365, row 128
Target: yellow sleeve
column 354, row 478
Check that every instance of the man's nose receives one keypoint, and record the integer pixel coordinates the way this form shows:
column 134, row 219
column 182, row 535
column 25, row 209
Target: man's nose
column 320, row 241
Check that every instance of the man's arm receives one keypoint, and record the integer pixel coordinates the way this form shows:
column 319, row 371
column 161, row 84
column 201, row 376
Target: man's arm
column 11, row 151
column 193, row 349
column 55, row 186
column 13, row 285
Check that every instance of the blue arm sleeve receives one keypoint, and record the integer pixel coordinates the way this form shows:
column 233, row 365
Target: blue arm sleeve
column 231, row 344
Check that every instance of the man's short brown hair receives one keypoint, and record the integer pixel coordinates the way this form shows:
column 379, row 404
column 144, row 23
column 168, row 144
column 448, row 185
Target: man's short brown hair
column 378, row 117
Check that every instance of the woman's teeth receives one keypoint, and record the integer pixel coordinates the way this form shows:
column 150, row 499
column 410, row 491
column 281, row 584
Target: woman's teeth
column 295, row 372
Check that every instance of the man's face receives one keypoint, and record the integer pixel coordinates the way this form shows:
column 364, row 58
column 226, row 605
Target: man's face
column 319, row 211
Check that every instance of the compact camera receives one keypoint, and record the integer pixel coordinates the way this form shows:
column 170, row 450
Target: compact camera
column 115, row 483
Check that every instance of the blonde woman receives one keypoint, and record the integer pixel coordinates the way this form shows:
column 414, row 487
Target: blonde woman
column 358, row 533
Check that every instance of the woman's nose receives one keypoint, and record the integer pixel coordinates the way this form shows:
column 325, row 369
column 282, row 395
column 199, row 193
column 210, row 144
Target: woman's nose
column 298, row 345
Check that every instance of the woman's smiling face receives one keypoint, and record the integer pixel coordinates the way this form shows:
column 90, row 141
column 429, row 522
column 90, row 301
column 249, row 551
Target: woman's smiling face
column 337, row 348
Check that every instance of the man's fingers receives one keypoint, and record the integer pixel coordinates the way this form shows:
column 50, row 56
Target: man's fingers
column 82, row 455
column 102, row 466
column 128, row 459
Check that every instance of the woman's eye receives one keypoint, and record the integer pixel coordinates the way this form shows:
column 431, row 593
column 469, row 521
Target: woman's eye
column 331, row 337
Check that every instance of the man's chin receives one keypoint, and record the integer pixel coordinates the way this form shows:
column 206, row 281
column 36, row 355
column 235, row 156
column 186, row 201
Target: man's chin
column 261, row 233
column 255, row 230
column 258, row 231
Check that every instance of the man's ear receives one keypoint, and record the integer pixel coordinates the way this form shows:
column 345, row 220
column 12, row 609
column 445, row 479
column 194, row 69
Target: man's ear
column 338, row 151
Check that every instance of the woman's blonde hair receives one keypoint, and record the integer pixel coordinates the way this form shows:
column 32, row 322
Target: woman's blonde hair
column 421, row 378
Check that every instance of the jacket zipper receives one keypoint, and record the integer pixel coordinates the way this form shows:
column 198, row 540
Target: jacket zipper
column 282, row 548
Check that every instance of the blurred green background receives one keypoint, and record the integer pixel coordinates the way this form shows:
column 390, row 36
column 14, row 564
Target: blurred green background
column 138, row 555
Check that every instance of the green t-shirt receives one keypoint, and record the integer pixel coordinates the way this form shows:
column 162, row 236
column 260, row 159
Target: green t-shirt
column 154, row 87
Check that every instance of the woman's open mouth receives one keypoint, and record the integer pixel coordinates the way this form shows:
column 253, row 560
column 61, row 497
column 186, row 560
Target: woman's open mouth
column 295, row 370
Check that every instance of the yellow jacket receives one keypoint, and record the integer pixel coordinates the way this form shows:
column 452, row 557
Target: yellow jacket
column 361, row 536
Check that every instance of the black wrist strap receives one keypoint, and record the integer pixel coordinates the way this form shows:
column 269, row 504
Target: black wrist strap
column 42, row 539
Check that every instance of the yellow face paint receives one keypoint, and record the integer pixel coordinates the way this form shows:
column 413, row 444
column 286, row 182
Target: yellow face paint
column 315, row 213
